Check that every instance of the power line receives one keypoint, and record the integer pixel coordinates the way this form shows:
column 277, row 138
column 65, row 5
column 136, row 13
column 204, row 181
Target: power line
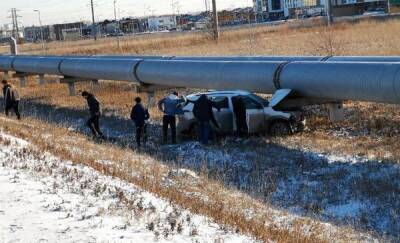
column 15, row 24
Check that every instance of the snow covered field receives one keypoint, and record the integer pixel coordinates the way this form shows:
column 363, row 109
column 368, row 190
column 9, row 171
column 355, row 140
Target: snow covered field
column 45, row 199
column 335, row 191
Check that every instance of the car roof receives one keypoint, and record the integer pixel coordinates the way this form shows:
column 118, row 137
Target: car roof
column 223, row 92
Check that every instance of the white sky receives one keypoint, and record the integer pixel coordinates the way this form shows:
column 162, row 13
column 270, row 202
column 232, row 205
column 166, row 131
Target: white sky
column 60, row 11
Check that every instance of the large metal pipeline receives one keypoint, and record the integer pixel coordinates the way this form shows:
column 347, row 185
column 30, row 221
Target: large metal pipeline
column 45, row 66
column 264, row 58
column 100, row 68
column 252, row 76
column 39, row 65
column 378, row 82
column 341, row 78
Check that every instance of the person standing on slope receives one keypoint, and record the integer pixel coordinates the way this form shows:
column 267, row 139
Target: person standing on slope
column 170, row 106
column 203, row 112
column 239, row 109
column 11, row 99
column 95, row 112
column 139, row 115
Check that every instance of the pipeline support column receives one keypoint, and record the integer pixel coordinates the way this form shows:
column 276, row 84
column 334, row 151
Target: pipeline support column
column 42, row 81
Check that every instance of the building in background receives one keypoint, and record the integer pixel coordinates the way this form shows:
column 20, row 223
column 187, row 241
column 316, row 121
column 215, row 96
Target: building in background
column 58, row 28
column 277, row 10
column 160, row 23
column 237, row 16
column 34, row 33
column 6, row 30
column 71, row 34
column 131, row 25
column 356, row 7
column 269, row 10
column 261, row 9
column 304, row 8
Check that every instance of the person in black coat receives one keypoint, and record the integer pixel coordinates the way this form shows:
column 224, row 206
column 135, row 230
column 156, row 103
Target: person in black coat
column 239, row 109
column 203, row 112
column 139, row 115
column 95, row 112
column 11, row 99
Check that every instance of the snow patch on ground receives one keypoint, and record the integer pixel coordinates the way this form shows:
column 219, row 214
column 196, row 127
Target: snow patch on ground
column 46, row 199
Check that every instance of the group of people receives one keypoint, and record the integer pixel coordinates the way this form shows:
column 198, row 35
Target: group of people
column 202, row 111
column 170, row 106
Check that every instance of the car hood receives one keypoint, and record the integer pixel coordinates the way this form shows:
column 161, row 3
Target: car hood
column 279, row 96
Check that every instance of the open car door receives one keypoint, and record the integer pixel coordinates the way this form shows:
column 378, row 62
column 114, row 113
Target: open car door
column 224, row 117
column 254, row 115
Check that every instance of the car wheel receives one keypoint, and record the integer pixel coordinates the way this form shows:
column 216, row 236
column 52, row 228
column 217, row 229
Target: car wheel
column 279, row 128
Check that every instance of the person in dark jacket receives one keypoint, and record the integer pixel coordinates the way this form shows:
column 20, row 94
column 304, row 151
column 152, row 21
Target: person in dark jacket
column 239, row 109
column 11, row 99
column 170, row 106
column 203, row 112
column 139, row 115
column 95, row 112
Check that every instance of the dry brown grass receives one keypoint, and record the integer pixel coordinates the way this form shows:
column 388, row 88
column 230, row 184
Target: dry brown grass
column 370, row 130
column 364, row 38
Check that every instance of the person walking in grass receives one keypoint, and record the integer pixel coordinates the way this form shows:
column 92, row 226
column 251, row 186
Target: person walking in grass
column 170, row 106
column 95, row 112
column 139, row 115
column 11, row 99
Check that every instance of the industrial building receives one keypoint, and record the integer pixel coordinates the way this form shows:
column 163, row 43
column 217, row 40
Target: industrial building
column 354, row 7
column 39, row 33
column 160, row 23
column 58, row 29
column 283, row 9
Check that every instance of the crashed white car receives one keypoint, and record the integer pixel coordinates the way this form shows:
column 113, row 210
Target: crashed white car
column 261, row 115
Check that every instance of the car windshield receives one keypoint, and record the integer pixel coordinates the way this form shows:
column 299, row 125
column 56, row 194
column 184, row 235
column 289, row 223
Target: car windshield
column 260, row 100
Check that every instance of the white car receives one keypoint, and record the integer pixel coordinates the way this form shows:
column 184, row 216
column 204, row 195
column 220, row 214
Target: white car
column 262, row 117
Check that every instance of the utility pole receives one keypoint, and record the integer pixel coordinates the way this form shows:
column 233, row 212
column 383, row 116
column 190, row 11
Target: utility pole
column 176, row 12
column 215, row 20
column 117, row 23
column 94, row 30
column 41, row 28
column 329, row 11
